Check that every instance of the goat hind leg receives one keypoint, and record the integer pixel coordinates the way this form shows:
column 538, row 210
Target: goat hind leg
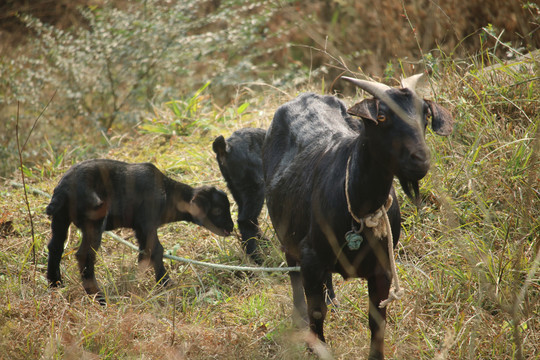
column 59, row 228
column 86, row 258
column 330, row 295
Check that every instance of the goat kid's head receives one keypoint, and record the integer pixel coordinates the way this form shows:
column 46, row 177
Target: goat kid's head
column 210, row 208
column 396, row 120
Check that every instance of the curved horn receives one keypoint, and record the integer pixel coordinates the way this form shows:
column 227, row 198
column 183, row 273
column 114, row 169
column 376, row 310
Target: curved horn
column 412, row 82
column 374, row 88
column 379, row 91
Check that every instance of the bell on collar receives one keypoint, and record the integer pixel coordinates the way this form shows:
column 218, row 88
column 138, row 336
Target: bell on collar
column 354, row 240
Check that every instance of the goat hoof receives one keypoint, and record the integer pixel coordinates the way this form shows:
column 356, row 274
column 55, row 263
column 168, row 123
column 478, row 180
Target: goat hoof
column 100, row 298
column 164, row 280
column 55, row 284
column 375, row 356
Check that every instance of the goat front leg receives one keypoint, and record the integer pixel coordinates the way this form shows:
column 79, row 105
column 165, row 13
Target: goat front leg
column 300, row 318
column 151, row 251
column 378, row 288
column 250, row 233
column 314, row 277
column 249, row 207
column 86, row 258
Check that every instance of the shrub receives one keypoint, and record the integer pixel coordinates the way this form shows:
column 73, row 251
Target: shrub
column 111, row 71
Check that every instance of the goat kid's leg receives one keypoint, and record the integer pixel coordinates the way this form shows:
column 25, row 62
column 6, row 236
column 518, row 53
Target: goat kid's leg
column 86, row 258
column 249, row 230
column 249, row 209
column 378, row 288
column 152, row 251
column 300, row 318
column 59, row 228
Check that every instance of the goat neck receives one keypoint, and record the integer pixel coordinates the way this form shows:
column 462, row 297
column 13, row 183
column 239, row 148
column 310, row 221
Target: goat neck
column 177, row 193
column 369, row 179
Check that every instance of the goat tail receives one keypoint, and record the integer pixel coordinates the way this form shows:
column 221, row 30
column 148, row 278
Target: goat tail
column 57, row 202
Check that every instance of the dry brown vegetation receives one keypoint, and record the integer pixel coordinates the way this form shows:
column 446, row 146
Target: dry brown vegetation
column 468, row 257
column 370, row 34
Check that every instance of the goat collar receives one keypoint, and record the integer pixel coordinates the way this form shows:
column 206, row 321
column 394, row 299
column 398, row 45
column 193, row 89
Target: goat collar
column 380, row 229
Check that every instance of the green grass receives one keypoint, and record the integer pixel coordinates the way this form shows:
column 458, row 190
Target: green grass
column 464, row 258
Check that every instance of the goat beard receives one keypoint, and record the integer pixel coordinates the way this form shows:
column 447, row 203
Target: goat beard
column 411, row 189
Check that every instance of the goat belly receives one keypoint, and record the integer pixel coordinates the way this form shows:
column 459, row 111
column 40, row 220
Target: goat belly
column 299, row 151
column 372, row 257
column 330, row 245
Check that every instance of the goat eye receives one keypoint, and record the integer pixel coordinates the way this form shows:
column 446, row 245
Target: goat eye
column 381, row 118
column 428, row 118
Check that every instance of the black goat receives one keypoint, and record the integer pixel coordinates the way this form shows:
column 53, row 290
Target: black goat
column 99, row 195
column 309, row 151
column 240, row 163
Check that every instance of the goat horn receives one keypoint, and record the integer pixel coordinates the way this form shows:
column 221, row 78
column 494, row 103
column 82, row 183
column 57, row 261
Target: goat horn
column 412, row 82
column 379, row 91
column 374, row 88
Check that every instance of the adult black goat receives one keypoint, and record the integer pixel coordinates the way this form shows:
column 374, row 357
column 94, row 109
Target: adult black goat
column 101, row 194
column 310, row 150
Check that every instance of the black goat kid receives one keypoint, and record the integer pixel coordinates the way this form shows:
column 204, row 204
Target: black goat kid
column 240, row 163
column 309, row 151
column 99, row 195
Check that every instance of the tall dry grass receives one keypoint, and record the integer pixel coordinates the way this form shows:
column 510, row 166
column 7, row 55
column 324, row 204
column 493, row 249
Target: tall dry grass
column 467, row 257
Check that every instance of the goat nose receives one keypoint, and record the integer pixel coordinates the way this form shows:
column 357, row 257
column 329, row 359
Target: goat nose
column 420, row 158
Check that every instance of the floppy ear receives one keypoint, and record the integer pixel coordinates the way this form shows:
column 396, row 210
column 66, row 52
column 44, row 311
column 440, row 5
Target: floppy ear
column 219, row 146
column 442, row 121
column 366, row 109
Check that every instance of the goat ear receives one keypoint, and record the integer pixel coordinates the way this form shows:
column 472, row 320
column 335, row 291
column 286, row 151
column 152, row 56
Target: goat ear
column 201, row 200
column 366, row 109
column 442, row 121
column 219, row 146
